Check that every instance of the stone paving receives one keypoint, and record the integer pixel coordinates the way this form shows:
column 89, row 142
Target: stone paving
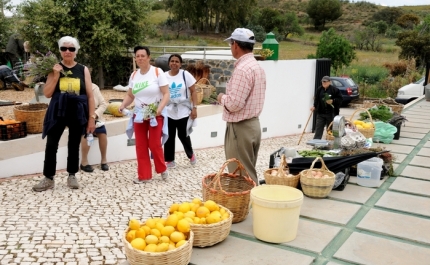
column 359, row 225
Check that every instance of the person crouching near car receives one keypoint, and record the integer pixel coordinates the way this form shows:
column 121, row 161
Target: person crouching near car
column 100, row 133
column 8, row 76
column 326, row 100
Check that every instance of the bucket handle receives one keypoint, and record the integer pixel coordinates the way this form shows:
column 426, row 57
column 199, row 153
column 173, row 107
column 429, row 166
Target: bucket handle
column 216, row 181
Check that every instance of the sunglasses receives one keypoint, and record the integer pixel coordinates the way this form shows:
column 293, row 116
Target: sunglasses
column 63, row 49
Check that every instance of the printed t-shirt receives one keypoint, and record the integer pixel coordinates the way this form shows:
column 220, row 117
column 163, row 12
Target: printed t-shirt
column 178, row 92
column 146, row 88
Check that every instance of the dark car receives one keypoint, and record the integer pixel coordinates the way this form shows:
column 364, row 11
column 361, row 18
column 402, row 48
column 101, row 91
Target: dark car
column 347, row 87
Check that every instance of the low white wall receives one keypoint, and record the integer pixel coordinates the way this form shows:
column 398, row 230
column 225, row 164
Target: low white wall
column 290, row 86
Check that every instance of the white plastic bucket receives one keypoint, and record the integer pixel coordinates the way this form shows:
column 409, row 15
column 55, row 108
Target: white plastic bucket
column 369, row 172
column 276, row 211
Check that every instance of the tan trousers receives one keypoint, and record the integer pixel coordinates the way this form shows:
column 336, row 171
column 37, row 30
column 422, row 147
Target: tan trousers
column 242, row 141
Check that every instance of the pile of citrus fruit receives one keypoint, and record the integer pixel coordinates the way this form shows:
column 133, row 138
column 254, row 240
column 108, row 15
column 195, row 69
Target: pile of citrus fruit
column 363, row 125
column 164, row 234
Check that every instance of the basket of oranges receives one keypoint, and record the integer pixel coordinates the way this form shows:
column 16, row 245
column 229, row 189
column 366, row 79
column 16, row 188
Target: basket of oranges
column 156, row 241
column 209, row 221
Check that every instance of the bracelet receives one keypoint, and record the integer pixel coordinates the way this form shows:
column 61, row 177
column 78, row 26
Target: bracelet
column 194, row 107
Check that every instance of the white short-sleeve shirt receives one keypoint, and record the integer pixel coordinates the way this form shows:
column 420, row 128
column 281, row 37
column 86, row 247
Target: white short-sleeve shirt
column 179, row 91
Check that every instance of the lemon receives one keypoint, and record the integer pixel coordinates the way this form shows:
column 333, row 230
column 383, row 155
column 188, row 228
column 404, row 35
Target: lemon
column 184, row 207
column 140, row 233
column 211, row 205
column 197, row 201
column 138, row 243
column 173, row 208
column 180, row 215
column 164, row 239
column 151, row 239
column 150, row 223
column 163, row 247
column 190, row 214
column 131, row 235
column 222, row 211
column 195, row 206
column 167, row 230
column 225, row 216
column 147, row 229
column 180, row 243
column 183, row 226
column 156, row 232
column 151, row 248
column 172, row 246
column 190, row 220
column 202, row 211
column 196, row 220
column 203, row 220
column 172, row 220
column 134, row 224
column 159, row 226
column 177, row 236
column 162, row 221
column 214, row 217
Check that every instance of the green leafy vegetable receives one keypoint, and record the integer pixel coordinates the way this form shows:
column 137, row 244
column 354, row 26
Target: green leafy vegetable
column 327, row 97
column 381, row 113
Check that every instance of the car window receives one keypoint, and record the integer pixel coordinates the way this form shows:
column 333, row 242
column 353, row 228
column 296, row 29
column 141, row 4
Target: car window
column 336, row 83
column 419, row 81
column 350, row 82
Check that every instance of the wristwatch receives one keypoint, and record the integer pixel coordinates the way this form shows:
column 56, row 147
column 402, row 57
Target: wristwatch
column 94, row 116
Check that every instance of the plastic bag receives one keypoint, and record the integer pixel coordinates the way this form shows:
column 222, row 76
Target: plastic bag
column 384, row 132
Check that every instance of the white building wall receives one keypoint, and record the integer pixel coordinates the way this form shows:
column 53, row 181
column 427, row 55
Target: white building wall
column 290, row 86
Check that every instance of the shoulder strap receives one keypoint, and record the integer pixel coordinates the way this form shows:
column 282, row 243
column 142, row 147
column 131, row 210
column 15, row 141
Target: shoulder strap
column 134, row 73
column 185, row 82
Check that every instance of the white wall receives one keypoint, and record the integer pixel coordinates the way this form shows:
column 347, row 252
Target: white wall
column 290, row 86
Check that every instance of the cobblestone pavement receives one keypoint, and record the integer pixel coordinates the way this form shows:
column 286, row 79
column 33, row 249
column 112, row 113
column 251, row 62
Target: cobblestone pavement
column 84, row 226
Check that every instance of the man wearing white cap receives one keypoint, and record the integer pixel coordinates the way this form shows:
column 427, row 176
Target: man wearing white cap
column 243, row 103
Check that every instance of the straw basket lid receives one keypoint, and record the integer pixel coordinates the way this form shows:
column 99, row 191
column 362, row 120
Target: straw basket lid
column 178, row 256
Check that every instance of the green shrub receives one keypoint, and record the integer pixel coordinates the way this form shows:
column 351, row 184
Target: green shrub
column 259, row 33
column 372, row 91
column 366, row 74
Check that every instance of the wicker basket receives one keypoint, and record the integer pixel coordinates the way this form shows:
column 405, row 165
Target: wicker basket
column 317, row 187
column 328, row 136
column 199, row 92
column 367, row 132
column 32, row 114
column 395, row 107
column 206, row 86
column 231, row 190
column 281, row 177
column 206, row 235
column 180, row 256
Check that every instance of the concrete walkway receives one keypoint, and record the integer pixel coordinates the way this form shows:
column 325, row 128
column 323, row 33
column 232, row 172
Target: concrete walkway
column 359, row 225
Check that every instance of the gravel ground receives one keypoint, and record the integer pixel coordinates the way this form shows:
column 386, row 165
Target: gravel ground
column 28, row 94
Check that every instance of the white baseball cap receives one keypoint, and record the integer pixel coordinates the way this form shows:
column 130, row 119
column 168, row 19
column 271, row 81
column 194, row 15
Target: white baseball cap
column 242, row 35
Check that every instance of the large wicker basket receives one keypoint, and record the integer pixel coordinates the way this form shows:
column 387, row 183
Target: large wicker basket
column 206, row 235
column 179, row 256
column 32, row 114
column 231, row 190
column 281, row 177
column 206, row 86
column 367, row 132
column 199, row 92
column 317, row 187
column 395, row 107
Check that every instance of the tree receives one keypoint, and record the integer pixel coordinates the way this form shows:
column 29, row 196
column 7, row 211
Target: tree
column 335, row 47
column 408, row 21
column 270, row 18
column 415, row 45
column 388, row 14
column 322, row 11
column 104, row 28
column 292, row 25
